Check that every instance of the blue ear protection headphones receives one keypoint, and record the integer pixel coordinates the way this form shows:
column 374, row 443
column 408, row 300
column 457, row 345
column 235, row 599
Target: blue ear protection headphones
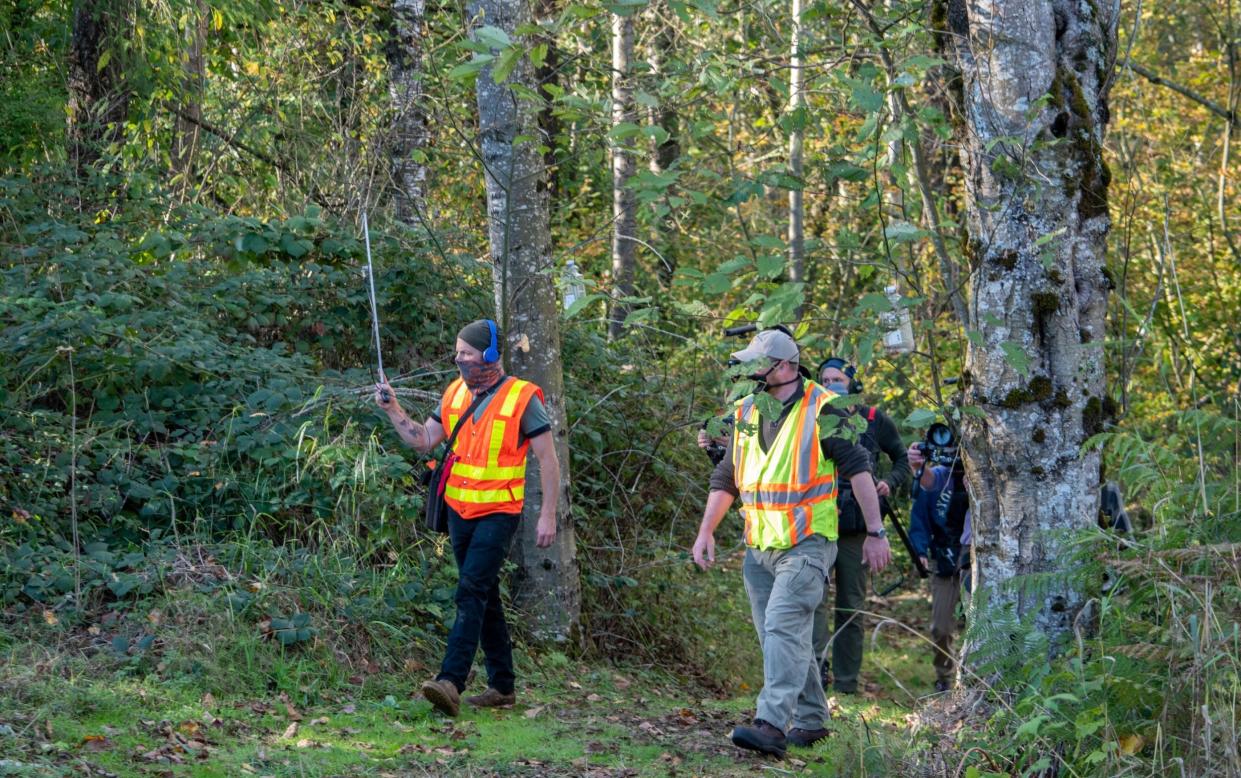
column 492, row 354
column 855, row 386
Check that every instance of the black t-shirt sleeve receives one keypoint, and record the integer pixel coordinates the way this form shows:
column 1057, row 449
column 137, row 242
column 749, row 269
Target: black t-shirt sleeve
column 890, row 443
column 722, row 479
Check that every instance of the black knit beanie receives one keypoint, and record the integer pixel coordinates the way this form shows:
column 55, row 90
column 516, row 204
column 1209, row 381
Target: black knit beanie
column 478, row 335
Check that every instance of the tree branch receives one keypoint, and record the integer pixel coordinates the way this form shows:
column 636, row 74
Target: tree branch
column 230, row 139
column 1210, row 105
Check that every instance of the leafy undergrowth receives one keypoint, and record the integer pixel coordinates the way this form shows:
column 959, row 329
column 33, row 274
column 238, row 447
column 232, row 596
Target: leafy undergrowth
column 217, row 694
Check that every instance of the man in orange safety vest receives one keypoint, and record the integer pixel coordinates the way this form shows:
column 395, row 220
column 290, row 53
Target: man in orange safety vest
column 484, row 490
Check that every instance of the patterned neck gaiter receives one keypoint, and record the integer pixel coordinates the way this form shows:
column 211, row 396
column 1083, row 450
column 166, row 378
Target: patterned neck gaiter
column 479, row 376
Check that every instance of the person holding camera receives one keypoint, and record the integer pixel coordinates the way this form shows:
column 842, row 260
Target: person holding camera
column 881, row 435
column 785, row 471
column 501, row 418
column 939, row 530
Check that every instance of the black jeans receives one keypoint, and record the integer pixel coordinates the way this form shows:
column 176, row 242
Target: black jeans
column 480, row 545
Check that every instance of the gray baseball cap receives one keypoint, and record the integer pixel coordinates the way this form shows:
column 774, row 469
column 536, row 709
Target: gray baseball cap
column 772, row 344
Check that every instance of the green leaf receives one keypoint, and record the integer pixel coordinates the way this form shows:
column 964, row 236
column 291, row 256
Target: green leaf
column 624, row 131
column 467, row 71
column 770, row 265
column 493, row 37
column 731, row 266
column 919, row 418
column 582, row 303
column 717, row 283
column 865, row 97
column 538, row 55
column 1016, row 357
column 504, row 65
column 903, row 232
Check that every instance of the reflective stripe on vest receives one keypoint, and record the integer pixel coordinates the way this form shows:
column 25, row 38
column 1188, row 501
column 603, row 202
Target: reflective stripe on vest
column 788, row 492
column 489, row 473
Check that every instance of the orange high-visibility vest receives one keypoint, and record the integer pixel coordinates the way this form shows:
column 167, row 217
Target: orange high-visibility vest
column 489, row 472
column 788, row 492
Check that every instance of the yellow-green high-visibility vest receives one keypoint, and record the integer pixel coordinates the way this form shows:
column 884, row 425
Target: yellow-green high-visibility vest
column 788, row 492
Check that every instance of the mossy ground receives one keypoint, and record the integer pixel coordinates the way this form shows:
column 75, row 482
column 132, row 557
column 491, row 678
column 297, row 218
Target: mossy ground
column 214, row 698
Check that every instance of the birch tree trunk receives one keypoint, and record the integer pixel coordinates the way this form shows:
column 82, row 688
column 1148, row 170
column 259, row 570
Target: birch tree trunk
column 797, row 110
column 409, row 131
column 665, row 153
column 624, row 204
column 1034, row 76
column 546, row 584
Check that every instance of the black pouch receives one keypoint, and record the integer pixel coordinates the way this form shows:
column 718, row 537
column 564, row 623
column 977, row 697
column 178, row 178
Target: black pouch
column 848, row 514
column 436, row 509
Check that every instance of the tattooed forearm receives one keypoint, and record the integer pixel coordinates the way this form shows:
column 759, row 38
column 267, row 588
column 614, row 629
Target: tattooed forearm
column 412, row 433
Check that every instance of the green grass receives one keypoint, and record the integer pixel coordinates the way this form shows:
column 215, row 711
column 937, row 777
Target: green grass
column 214, row 697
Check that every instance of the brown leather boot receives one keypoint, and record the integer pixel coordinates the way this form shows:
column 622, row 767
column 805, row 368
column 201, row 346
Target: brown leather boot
column 492, row 699
column 762, row 737
column 443, row 695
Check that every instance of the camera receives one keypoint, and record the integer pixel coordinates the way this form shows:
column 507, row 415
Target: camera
column 940, row 445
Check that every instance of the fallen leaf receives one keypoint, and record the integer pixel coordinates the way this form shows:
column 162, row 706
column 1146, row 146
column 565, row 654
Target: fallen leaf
column 532, row 712
column 318, row 721
column 208, row 700
column 621, row 682
column 1131, row 744
column 593, row 698
column 155, row 617
column 95, row 743
column 574, row 685
column 305, row 743
column 290, row 730
column 350, row 708
column 50, row 618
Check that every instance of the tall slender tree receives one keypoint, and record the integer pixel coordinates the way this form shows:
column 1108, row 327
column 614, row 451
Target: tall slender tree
column 1033, row 91
column 624, row 204
column 185, row 140
column 98, row 92
column 409, row 130
column 547, row 583
column 797, row 110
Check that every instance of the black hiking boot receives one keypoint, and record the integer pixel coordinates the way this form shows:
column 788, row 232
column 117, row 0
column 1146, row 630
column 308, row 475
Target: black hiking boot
column 762, row 737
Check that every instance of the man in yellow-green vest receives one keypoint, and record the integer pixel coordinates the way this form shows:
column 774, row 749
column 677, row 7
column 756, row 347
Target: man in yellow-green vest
column 785, row 471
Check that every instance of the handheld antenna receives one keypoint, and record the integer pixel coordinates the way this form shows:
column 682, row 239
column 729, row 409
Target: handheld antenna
column 370, row 280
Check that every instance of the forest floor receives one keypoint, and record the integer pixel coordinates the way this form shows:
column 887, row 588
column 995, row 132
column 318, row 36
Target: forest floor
column 70, row 712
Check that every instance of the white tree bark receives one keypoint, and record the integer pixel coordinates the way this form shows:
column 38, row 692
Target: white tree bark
column 797, row 106
column 1034, row 76
column 409, row 130
column 624, row 204
column 547, row 586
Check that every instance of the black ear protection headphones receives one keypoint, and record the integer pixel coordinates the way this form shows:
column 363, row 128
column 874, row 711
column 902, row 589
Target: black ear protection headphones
column 492, row 352
column 855, row 386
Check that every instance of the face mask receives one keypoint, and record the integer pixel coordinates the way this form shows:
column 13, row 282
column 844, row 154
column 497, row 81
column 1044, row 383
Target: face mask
column 760, row 379
column 479, row 375
column 838, row 387
column 761, row 384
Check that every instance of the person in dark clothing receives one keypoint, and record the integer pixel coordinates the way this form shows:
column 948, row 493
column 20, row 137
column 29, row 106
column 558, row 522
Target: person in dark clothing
column 881, row 436
column 939, row 530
